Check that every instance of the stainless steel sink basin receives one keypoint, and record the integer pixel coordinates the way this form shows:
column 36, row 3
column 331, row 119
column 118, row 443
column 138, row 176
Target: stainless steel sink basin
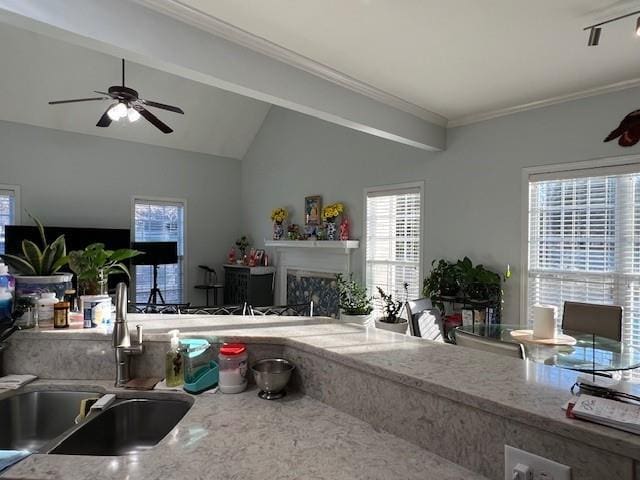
column 127, row 427
column 29, row 420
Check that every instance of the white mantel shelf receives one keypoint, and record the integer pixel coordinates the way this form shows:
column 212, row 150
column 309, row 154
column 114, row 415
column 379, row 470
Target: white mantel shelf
column 337, row 244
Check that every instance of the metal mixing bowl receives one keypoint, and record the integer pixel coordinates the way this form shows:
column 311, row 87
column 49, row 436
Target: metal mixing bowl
column 272, row 376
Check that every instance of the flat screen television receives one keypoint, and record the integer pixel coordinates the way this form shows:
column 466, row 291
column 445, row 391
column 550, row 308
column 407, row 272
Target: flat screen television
column 76, row 238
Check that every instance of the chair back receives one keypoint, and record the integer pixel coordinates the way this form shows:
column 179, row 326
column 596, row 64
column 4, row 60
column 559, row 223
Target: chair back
column 168, row 308
column 469, row 340
column 601, row 320
column 222, row 310
column 296, row 310
column 424, row 320
column 210, row 275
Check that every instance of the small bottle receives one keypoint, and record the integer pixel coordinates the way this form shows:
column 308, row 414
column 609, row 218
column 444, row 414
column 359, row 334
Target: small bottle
column 6, row 304
column 45, row 309
column 6, row 279
column 174, row 375
column 61, row 315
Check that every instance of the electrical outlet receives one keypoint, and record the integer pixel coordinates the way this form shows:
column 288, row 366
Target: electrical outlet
column 541, row 468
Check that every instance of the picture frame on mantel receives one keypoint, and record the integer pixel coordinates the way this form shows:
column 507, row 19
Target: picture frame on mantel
column 313, row 210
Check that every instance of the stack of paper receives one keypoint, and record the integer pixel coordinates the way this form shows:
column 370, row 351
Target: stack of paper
column 612, row 413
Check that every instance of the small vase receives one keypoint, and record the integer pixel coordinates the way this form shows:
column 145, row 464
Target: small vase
column 278, row 230
column 332, row 231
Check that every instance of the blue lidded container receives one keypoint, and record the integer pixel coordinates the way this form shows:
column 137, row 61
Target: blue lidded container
column 200, row 371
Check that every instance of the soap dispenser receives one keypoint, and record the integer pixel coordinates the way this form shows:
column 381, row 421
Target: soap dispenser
column 174, row 376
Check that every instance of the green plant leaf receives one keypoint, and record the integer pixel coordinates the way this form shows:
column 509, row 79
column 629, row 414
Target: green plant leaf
column 58, row 264
column 33, row 255
column 52, row 254
column 123, row 254
column 123, row 268
column 40, row 228
column 18, row 264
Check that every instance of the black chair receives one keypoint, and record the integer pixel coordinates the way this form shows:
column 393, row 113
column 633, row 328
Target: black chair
column 222, row 310
column 210, row 283
column 169, row 308
column 601, row 320
column 297, row 310
column 425, row 320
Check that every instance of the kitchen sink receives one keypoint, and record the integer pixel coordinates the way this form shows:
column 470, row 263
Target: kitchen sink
column 129, row 426
column 31, row 419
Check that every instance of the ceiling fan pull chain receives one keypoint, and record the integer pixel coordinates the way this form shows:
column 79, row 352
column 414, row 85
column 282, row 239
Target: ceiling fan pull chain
column 123, row 72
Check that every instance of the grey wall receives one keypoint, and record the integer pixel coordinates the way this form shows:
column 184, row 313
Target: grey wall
column 473, row 189
column 71, row 179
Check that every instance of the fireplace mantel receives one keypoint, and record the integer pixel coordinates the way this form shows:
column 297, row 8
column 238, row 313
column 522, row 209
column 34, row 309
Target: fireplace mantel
column 340, row 244
column 310, row 256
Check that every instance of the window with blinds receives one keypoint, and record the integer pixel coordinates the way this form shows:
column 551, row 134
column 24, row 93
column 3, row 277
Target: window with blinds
column 584, row 243
column 160, row 221
column 7, row 212
column 393, row 241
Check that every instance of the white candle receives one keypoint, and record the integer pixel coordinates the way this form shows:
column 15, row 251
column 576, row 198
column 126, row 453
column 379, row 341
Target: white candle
column 544, row 321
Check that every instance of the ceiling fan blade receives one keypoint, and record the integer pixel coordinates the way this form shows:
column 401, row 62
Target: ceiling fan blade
column 56, row 102
column 163, row 127
column 104, row 121
column 163, row 106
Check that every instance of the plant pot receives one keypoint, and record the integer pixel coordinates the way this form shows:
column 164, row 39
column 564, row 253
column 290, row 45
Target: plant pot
column 393, row 327
column 365, row 320
column 57, row 284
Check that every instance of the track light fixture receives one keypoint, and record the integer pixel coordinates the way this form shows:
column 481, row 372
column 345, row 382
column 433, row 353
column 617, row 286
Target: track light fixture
column 595, row 30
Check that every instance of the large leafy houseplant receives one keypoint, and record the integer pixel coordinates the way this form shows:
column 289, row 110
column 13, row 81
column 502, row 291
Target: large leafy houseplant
column 94, row 264
column 477, row 282
column 353, row 298
column 45, row 260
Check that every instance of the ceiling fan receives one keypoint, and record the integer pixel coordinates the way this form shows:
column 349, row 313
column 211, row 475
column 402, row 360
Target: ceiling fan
column 128, row 104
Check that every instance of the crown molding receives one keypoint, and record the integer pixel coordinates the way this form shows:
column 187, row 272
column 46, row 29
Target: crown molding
column 222, row 29
column 592, row 92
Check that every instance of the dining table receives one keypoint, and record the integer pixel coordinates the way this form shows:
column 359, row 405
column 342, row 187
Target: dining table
column 569, row 349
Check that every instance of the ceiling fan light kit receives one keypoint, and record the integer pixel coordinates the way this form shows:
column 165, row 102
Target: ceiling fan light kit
column 596, row 29
column 128, row 104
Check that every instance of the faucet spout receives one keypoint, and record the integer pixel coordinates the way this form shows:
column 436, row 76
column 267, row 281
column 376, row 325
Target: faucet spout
column 121, row 338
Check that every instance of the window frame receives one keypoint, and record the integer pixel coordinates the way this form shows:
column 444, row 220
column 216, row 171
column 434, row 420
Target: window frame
column 391, row 189
column 168, row 200
column 17, row 214
column 593, row 167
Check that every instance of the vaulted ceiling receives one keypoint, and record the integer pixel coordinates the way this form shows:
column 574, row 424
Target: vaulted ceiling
column 36, row 69
column 463, row 59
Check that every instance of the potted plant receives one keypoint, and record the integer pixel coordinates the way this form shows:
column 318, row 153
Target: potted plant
column 479, row 284
column 391, row 320
column 243, row 244
column 94, row 264
column 355, row 305
column 442, row 282
column 36, row 270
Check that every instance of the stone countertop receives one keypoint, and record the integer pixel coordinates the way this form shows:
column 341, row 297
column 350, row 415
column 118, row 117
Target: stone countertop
column 243, row 436
column 523, row 391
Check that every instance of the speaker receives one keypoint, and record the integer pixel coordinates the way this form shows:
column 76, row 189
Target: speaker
column 155, row 253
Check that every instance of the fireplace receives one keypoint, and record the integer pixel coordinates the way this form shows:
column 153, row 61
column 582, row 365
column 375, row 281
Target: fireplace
column 306, row 271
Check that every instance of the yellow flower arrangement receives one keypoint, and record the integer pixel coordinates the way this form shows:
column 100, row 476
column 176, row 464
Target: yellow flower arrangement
column 330, row 212
column 279, row 214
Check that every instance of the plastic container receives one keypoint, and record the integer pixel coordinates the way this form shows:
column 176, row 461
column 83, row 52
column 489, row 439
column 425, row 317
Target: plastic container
column 232, row 360
column 6, row 304
column 200, row 371
column 6, row 279
column 45, row 309
column 27, row 309
column 96, row 310
column 174, row 373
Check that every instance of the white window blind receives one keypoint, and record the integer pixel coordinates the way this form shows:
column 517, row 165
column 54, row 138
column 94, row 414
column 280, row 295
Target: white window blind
column 160, row 221
column 393, row 242
column 7, row 212
column 584, row 244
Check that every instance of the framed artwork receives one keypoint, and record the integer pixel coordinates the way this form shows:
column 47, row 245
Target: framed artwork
column 312, row 209
column 259, row 257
